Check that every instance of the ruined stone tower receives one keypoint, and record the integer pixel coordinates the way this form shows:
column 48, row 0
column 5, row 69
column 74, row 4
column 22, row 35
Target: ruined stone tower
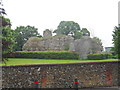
column 47, row 33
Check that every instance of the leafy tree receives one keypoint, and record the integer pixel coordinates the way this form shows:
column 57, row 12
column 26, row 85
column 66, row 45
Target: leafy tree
column 77, row 35
column 85, row 32
column 71, row 28
column 116, row 40
column 67, row 28
column 22, row 34
column 8, row 40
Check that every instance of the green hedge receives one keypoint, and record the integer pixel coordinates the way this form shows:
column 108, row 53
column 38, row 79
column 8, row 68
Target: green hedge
column 45, row 54
column 116, row 56
column 99, row 56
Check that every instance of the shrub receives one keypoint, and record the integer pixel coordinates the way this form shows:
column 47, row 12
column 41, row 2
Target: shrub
column 46, row 54
column 115, row 56
column 99, row 56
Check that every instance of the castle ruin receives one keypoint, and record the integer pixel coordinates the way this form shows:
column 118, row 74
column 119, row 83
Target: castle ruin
column 83, row 46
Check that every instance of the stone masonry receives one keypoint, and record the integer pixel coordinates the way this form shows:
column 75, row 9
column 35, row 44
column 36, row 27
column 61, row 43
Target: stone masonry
column 47, row 33
column 46, row 44
column 83, row 46
column 99, row 74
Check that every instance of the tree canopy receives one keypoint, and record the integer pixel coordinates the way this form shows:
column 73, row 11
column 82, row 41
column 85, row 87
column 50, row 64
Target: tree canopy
column 8, row 39
column 116, row 40
column 23, row 33
column 85, row 32
column 67, row 27
column 71, row 28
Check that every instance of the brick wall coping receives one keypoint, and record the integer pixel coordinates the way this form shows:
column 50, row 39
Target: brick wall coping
column 36, row 65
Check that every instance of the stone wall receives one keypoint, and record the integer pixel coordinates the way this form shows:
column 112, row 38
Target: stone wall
column 85, row 46
column 46, row 44
column 98, row 74
column 47, row 33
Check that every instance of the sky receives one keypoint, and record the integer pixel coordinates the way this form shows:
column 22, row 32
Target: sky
column 98, row 16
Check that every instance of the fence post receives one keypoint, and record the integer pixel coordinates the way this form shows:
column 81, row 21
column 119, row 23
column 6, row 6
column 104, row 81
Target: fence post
column 76, row 84
column 36, row 84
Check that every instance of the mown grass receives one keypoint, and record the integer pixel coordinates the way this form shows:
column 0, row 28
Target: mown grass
column 23, row 61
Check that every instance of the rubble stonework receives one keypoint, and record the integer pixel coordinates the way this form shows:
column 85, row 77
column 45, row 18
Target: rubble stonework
column 83, row 46
column 100, row 74
column 47, row 33
column 46, row 44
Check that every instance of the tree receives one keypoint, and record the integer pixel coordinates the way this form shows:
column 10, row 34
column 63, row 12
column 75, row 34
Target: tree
column 71, row 28
column 77, row 35
column 22, row 34
column 68, row 28
column 116, row 40
column 85, row 32
column 8, row 40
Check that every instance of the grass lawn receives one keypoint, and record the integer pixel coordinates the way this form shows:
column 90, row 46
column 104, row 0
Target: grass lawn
column 23, row 61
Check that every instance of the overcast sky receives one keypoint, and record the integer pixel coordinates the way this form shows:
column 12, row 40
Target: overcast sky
column 98, row 16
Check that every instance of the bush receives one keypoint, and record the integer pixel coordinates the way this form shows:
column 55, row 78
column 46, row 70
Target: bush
column 115, row 56
column 45, row 54
column 99, row 56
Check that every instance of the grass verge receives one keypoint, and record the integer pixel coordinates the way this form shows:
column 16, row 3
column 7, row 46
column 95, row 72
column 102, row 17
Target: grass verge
column 23, row 61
